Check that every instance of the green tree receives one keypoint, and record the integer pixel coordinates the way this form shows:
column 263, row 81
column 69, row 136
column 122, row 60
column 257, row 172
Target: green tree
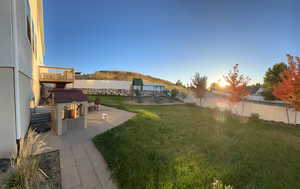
column 198, row 85
column 213, row 86
column 179, row 83
column 272, row 77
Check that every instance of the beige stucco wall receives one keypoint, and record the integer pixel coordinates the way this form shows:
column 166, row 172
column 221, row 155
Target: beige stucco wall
column 38, row 54
column 7, row 113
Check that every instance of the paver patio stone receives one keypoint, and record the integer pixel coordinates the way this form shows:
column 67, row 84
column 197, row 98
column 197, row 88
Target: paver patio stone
column 70, row 178
column 82, row 165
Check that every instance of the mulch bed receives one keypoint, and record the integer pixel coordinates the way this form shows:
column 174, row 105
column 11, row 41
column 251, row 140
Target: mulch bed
column 50, row 164
column 4, row 165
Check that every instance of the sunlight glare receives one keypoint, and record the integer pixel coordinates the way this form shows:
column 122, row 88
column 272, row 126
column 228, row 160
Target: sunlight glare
column 222, row 83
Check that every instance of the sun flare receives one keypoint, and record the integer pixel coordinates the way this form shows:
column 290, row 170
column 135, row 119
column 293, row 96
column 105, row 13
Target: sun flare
column 222, row 83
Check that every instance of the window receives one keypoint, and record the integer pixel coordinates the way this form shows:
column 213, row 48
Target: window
column 28, row 20
column 35, row 45
column 33, row 39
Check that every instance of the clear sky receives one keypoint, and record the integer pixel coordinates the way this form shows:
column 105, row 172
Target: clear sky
column 171, row 39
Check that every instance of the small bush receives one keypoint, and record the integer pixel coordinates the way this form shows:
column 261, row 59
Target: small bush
column 183, row 95
column 97, row 100
column 25, row 172
column 254, row 117
column 174, row 93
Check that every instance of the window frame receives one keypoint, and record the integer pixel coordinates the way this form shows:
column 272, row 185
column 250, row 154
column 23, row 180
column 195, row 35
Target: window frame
column 28, row 19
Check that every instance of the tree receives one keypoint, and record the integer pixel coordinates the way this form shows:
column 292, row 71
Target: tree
column 198, row 85
column 272, row 77
column 288, row 89
column 213, row 86
column 237, row 85
column 179, row 83
column 174, row 93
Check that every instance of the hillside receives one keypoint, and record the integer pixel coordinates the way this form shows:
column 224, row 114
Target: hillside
column 126, row 76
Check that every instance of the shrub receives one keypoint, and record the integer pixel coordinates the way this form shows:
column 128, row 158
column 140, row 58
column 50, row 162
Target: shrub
column 174, row 93
column 183, row 95
column 254, row 116
column 25, row 172
column 97, row 100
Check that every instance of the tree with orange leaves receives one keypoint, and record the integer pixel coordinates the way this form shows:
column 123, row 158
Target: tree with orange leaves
column 237, row 84
column 288, row 89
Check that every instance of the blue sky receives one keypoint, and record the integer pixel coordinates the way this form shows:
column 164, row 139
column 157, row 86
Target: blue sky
column 171, row 39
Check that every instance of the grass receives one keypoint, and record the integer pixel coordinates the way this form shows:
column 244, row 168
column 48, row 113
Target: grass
column 186, row 147
column 114, row 101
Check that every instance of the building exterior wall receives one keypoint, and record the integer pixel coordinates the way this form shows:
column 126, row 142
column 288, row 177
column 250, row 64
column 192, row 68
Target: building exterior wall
column 21, row 55
column 6, row 45
column 39, row 50
column 28, row 41
column 26, row 95
column 7, row 113
column 23, row 50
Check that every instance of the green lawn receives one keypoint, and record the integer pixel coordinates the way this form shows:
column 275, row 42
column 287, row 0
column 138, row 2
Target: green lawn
column 115, row 101
column 184, row 147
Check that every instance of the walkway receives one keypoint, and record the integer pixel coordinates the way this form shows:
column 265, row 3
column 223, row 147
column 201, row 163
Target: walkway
column 82, row 166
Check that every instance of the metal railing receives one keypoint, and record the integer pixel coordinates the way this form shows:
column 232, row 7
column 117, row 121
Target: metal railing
column 49, row 74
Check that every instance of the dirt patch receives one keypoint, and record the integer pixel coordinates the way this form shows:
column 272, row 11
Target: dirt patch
column 4, row 165
column 50, row 163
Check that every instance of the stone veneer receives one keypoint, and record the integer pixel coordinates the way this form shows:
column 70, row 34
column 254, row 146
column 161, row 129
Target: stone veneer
column 119, row 92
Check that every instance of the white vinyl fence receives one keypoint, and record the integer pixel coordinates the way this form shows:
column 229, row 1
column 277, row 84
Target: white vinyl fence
column 102, row 84
column 270, row 112
column 110, row 84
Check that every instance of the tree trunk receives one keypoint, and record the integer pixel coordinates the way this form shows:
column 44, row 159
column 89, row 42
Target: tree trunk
column 243, row 107
column 287, row 113
column 295, row 118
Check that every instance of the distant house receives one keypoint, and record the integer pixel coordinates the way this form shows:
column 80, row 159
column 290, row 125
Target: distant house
column 253, row 97
column 256, row 96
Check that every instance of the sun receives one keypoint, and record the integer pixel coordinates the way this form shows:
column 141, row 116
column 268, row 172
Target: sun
column 222, row 83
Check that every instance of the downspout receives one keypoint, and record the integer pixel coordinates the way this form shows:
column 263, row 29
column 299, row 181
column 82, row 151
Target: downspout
column 16, row 70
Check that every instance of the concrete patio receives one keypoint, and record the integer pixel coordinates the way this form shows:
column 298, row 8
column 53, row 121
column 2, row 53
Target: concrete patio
column 82, row 165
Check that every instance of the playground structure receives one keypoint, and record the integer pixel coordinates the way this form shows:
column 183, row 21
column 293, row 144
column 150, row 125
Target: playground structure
column 140, row 90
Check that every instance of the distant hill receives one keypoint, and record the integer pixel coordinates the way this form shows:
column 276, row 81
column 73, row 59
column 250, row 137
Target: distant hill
column 127, row 76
